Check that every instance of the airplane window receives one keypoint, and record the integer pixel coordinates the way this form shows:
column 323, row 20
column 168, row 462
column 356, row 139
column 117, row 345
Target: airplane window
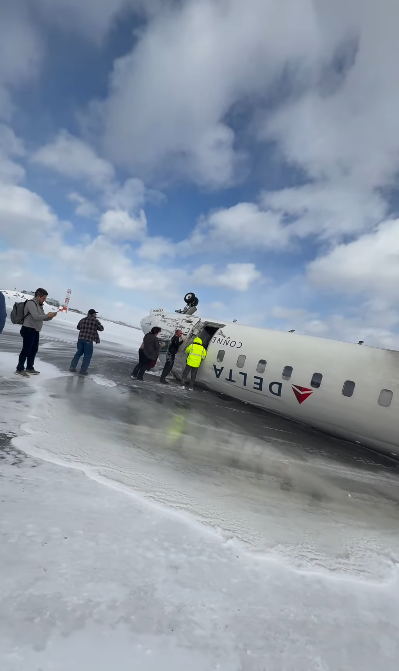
column 348, row 388
column 316, row 380
column 287, row 372
column 241, row 361
column 260, row 368
column 220, row 355
column 385, row 398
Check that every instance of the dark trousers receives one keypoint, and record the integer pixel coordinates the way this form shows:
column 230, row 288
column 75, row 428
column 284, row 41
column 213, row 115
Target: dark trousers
column 189, row 369
column 85, row 349
column 140, row 363
column 143, row 365
column 170, row 360
column 30, row 345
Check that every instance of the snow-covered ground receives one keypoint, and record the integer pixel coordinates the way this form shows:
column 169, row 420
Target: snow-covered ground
column 136, row 558
column 66, row 323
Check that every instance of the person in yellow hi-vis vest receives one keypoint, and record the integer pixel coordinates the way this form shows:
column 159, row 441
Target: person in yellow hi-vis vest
column 196, row 353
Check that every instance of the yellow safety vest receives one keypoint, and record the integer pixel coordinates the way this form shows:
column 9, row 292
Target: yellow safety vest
column 196, row 353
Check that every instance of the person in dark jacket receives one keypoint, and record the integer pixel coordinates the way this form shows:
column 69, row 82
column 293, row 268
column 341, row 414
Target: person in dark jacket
column 175, row 343
column 148, row 353
column 3, row 311
column 88, row 328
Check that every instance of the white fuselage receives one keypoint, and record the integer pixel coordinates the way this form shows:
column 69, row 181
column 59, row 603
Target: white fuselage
column 254, row 365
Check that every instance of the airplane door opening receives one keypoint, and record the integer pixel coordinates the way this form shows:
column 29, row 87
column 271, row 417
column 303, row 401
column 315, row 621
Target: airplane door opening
column 204, row 330
column 208, row 332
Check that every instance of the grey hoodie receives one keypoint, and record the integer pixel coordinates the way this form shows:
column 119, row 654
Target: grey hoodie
column 34, row 315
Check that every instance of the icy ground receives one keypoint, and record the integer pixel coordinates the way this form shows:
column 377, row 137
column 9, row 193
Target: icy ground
column 179, row 539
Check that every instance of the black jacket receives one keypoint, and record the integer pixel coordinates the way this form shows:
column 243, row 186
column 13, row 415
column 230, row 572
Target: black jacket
column 3, row 311
column 151, row 346
column 174, row 345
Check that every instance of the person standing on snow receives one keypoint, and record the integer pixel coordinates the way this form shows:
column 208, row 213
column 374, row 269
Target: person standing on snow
column 196, row 354
column 3, row 311
column 88, row 328
column 148, row 353
column 175, row 343
column 33, row 319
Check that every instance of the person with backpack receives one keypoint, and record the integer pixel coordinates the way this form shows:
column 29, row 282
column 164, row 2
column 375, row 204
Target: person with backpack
column 196, row 354
column 31, row 316
column 3, row 311
column 88, row 328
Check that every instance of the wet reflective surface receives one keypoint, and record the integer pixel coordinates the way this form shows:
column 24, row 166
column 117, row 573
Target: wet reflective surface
column 273, row 484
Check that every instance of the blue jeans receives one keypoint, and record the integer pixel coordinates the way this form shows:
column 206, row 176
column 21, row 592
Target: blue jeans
column 30, row 345
column 85, row 349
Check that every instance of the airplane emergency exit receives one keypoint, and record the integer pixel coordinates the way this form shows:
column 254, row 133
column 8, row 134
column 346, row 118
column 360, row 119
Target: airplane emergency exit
column 349, row 391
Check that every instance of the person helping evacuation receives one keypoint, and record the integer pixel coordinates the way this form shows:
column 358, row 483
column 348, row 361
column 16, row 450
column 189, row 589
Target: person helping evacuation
column 148, row 353
column 196, row 353
column 175, row 343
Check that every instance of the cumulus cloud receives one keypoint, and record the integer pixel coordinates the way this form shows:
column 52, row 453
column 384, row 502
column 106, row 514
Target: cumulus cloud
column 83, row 207
column 236, row 276
column 314, row 83
column 245, row 225
column 368, row 265
column 11, row 147
column 119, row 225
column 341, row 130
column 25, row 218
column 155, row 248
column 70, row 156
column 194, row 61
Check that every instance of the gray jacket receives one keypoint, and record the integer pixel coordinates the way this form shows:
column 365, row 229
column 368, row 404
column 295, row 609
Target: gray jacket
column 34, row 315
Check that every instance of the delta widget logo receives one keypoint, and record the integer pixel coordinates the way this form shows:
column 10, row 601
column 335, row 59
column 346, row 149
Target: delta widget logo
column 301, row 393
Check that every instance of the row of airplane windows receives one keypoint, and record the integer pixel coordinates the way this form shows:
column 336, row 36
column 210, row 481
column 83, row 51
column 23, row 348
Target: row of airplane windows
column 385, row 397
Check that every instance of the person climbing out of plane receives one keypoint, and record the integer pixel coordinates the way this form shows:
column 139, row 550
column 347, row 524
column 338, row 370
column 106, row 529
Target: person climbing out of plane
column 175, row 343
column 148, row 353
column 196, row 354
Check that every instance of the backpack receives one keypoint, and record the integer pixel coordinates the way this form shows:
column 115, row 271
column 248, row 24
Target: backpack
column 17, row 315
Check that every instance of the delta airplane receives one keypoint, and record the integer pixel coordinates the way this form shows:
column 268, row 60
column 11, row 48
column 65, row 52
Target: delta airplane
column 349, row 391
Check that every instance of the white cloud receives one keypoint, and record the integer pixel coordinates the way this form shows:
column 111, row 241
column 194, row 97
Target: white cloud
column 10, row 147
column 245, row 225
column 341, row 130
column 84, row 208
column 169, row 98
column 70, row 156
column 368, row 265
column 117, row 224
column 155, row 248
column 130, row 196
column 327, row 210
column 236, row 276
column 25, row 218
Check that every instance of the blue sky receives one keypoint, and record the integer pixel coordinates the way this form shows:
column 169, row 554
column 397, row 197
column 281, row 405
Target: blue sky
column 244, row 151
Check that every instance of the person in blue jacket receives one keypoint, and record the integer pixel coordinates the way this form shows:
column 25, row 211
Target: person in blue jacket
column 3, row 311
